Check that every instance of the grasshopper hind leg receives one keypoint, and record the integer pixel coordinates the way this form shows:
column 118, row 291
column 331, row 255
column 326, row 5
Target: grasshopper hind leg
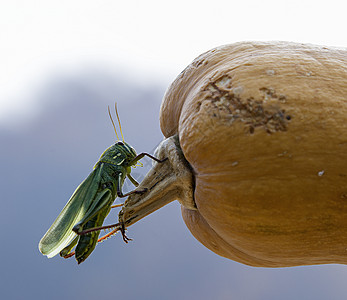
column 122, row 230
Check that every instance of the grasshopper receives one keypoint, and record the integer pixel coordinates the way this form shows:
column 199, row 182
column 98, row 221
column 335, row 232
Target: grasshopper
column 92, row 201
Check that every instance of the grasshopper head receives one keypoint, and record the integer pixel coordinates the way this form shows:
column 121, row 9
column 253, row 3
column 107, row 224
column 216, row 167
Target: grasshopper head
column 120, row 153
column 126, row 149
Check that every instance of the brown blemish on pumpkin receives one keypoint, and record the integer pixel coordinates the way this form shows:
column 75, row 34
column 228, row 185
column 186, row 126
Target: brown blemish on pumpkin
column 270, row 93
column 252, row 112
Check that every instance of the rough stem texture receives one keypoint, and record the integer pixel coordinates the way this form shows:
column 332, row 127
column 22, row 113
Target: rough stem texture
column 165, row 182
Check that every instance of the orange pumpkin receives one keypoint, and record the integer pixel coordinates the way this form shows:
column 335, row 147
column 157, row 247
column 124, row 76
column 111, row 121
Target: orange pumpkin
column 260, row 165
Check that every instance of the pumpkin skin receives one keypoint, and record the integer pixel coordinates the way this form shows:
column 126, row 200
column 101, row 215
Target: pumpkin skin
column 263, row 126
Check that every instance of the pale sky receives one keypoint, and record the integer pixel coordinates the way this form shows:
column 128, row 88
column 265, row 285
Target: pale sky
column 152, row 39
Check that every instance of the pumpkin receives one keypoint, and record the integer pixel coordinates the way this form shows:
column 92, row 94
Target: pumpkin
column 256, row 140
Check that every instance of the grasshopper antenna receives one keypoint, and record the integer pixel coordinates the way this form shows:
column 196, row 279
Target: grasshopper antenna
column 109, row 113
column 120, row 127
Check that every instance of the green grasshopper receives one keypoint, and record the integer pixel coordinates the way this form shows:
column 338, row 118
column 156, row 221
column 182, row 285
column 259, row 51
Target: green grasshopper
column 91, row 202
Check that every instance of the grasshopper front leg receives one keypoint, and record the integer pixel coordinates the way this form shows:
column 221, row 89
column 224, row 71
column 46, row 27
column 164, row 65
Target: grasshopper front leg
column 134, row 161
column 141, row 155
column 119, row 187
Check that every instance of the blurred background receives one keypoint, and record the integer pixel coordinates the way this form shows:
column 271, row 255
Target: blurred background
column 61, row 64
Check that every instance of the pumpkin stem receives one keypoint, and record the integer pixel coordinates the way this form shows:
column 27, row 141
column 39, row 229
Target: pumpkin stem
column 165, row 182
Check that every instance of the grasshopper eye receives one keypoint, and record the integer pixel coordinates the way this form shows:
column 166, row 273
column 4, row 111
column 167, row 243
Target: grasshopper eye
column 120, row 143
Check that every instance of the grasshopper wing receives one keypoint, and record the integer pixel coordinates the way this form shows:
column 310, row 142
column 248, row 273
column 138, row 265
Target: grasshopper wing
column 60, row 234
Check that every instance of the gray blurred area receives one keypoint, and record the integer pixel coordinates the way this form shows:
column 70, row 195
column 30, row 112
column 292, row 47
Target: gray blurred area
column 43, row 162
